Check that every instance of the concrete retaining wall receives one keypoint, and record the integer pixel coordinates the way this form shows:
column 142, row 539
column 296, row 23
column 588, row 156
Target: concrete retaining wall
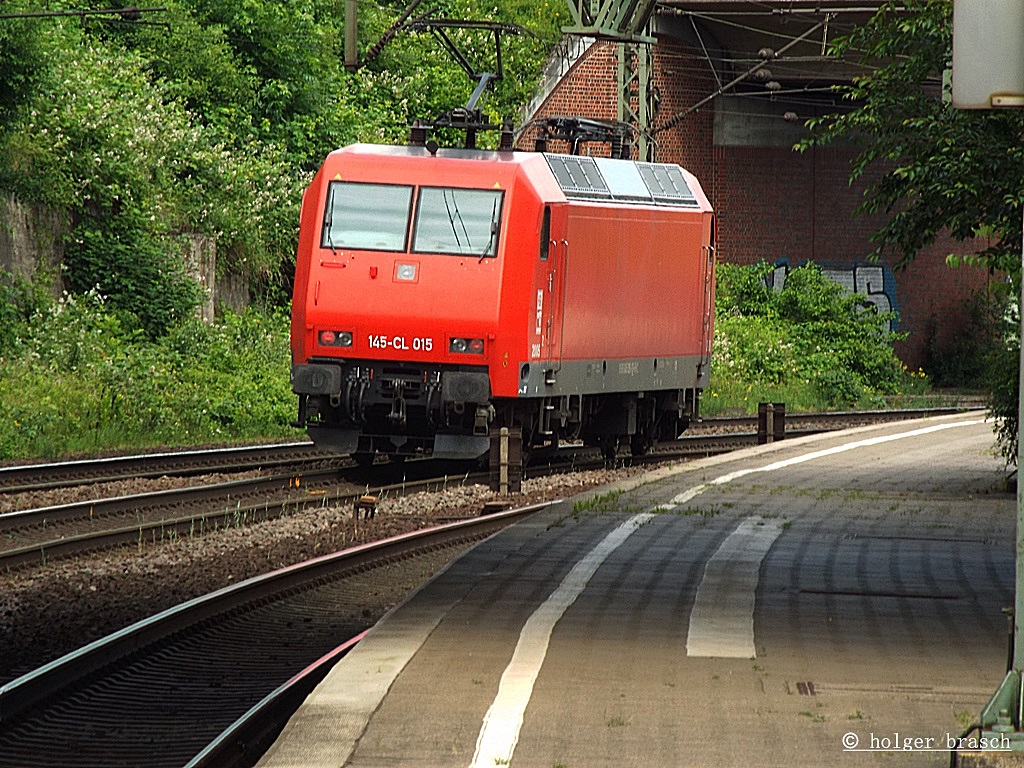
column 32, row 247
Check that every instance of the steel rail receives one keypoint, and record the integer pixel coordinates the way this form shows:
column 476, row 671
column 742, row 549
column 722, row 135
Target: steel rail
column 50, row 680
column 253, row 732
column 59, row 474
column 827, row 420
column 96, row 508
column 225, row 514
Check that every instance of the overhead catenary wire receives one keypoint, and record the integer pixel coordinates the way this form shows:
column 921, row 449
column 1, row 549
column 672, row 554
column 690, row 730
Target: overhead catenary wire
column 130, row 13
column 678, row 117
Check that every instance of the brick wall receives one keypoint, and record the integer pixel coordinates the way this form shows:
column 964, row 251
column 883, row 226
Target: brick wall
column 771, row 202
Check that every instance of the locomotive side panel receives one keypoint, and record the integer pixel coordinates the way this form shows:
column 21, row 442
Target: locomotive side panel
column 635, row 283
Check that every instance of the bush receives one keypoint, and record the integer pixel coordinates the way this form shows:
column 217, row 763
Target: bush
column 810, row 344
column 962, row 360
column 81, row 380
column 20, row 299
column 101, row 138
column 1001, row 372
column 134, row 270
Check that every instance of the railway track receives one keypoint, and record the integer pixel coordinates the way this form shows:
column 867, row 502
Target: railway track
column 83, row 704
column 41, row 534
column 160, row 691
column 33, row 477
column 38, row 535
column 303, row 455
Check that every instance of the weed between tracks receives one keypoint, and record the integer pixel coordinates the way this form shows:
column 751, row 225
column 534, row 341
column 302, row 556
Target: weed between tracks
column 602, row 502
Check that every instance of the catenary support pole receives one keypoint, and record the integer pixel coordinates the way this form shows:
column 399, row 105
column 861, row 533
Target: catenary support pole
column 1018, row 605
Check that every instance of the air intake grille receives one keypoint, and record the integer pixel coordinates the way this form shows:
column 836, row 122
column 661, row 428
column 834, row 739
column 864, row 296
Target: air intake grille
column 602, row 178
column 578, row 176
column 666, row 183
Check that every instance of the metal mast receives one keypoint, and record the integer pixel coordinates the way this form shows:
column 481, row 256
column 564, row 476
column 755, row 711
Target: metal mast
column 626, row 22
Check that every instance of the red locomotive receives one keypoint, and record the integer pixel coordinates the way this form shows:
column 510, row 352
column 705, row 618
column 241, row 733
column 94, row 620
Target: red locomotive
column 443, row 293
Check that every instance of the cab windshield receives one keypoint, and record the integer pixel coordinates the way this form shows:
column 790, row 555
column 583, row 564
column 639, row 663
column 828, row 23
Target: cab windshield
column 463, row 222
column 372, row 217
column 447, row 220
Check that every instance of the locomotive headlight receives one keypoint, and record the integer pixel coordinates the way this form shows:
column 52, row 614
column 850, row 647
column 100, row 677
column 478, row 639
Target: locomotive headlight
column 335, row 338
column 466, row 346
column 406, row 272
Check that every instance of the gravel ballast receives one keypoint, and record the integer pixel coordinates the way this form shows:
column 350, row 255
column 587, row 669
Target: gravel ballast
column 50, row 610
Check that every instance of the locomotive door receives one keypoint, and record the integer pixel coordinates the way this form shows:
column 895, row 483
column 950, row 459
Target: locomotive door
column 709, row 296
column 550, row 285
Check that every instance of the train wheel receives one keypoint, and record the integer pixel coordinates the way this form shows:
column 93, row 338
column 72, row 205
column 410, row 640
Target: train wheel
column 363, row 458
column 609, row 445
column 640, row 444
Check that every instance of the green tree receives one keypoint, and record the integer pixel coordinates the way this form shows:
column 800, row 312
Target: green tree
column 209, row 117
column 103, row 139
column 270, row 71
column 939, row 169
column 21, row 59
column 943, row 169
column 414, row 78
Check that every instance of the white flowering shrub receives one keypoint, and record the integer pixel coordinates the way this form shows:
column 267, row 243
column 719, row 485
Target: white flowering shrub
column 100, row 139
column 77, row 379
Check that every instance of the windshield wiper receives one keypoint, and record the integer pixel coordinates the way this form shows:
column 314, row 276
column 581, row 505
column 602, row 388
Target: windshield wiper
column 493, row 228
column 456, row 214
column 329, row 226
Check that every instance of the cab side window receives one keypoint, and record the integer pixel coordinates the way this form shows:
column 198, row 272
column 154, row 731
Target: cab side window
column 545, row 234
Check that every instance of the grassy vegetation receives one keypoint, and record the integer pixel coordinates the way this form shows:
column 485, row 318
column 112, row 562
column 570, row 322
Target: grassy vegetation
column 599, row 503
column 81, row 376
column 810, row 345
column 75, row 379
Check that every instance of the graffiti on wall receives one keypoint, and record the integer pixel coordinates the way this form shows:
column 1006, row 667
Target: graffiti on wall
column 875, row 281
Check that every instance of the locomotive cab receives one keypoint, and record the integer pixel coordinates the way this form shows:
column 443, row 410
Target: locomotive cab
column 439, row 295
column 399, row 290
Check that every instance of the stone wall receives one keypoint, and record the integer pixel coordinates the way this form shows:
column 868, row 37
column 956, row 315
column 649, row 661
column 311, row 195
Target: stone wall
column 31, row 242
column 32, row 247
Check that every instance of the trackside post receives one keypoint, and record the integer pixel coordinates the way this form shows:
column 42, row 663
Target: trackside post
column 988, row 72
column 506, row 460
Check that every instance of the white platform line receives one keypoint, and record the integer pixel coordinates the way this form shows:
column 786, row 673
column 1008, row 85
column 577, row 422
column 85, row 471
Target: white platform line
column 722, row 619
column 503, row 721
column 696, row 490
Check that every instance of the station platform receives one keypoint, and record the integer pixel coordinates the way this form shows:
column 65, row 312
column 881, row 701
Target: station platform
column 811, row 602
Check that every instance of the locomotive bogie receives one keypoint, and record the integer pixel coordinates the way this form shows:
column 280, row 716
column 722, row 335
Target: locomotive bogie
column 440, row 296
